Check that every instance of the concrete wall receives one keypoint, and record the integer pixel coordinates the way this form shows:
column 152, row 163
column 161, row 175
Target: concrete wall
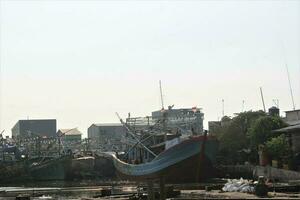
column 250, row 171
column 293, row 115
column 93, row 131
column 275, row 173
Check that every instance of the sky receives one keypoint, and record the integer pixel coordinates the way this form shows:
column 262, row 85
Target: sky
column 81, row 61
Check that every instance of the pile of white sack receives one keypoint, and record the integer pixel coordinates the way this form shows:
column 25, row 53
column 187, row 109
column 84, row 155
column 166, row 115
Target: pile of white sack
column 241, row 185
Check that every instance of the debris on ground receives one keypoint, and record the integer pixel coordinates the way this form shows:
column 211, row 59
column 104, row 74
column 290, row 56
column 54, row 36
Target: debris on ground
column 238, row 185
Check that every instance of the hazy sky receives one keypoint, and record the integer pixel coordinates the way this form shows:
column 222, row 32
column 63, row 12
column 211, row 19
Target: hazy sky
column 81, row 61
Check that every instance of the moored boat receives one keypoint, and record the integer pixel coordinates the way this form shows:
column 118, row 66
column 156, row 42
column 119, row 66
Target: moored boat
column 192, row 158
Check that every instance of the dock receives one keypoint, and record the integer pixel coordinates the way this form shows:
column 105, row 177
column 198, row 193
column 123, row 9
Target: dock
column 137, row 191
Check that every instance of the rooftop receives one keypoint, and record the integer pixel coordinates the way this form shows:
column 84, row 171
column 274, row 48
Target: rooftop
column 73, row 131
column 37, row 120
column 107, row 124
column 288, row 129
column 180, row 109
column 292, row 111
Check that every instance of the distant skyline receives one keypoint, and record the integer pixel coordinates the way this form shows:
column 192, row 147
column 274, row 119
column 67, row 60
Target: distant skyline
column 81, row 61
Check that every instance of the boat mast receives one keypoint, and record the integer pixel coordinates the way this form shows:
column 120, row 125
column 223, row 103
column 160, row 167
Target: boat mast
column 164, row 113
column 291, row 91
column 161, row 96
column 288, row 75
column 262, row 99
column 59, row 140
column 134, row 136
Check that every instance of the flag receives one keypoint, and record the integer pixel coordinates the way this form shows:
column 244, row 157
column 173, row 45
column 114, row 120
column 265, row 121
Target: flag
column 194, row 109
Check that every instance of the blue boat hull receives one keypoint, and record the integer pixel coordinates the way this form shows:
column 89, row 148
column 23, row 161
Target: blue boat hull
column 189, row 161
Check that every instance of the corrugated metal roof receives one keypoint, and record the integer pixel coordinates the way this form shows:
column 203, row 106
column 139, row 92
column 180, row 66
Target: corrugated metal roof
column 288, row 129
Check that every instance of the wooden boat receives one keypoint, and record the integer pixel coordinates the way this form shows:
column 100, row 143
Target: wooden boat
column 189, row 161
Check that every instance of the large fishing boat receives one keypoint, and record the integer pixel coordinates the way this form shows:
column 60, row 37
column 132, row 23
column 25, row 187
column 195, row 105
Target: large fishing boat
column 166, row 146
column 192, row 158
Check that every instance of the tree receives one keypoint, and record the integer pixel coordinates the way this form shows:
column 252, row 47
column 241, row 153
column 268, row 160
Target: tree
column 261, row 130
column 233, row 136
column 278, row 147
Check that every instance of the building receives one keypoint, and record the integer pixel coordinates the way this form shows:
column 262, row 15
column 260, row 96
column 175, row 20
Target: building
column 183, row 118
column 274, row 111
column 70, row 136
column 214, row 127
column 292, row 117
column 31, row 128
column 107, row 136
column 292, row 132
